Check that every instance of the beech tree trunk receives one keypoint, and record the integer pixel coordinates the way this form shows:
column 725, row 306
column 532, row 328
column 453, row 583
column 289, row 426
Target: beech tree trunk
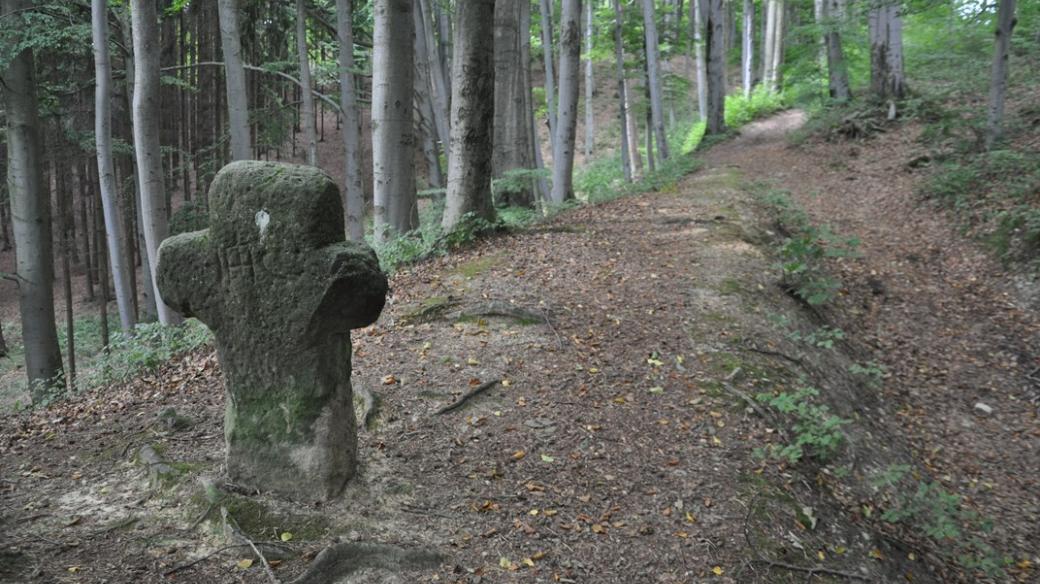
column 393, row 137
column 116, row 239
column 31, row 214
column 472, row 114
column 697, row 33
column 439, row 94
column 654, row 78
column 590, row 86
column 623, row 114
column 715, row 43
column 423, row 97
column 768, row 34
column 353, row 191
column 146, row 116
column 633, row 136
column 837, row 71
column 310, row 132
column 567, row 116
column 999, row 76
column 747, row 52
column 235, row 77
column 550, row 74
column 886, row 51
column 514, row 142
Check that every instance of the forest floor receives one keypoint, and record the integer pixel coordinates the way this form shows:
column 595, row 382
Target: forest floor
column 627, row 341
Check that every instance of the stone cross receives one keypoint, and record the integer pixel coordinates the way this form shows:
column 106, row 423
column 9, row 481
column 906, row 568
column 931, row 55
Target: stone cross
column 281, row 290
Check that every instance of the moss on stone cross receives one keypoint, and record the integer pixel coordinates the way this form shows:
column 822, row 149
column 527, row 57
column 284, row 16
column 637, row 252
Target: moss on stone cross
column 281, row 290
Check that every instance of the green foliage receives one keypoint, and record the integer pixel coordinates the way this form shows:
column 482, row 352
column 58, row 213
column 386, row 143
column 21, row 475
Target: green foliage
column 873, row 372
column 520, row 180
column 817, row 432
column 805, row 248
column 190, row 217
column 148, row 347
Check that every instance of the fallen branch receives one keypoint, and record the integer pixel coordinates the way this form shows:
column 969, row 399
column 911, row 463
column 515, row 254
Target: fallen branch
column 238, row 532
column 215, row 552
column 809, row 570
column 467, row 396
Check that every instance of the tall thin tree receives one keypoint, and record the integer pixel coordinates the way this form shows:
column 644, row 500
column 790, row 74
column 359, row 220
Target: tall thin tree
column 887, row 80
column 393, row 138
column 623, row 113
column 116, row 238
column 235, row 81
column 697, row 34
column 550, row 73
column 715, row 45
column 837, row 71
column 310, row 133
column 590, row 85
column 31, row 214
column 747, row 52
column 653, row 70
column 353, row 192
column 999, row 75
column 567, row 115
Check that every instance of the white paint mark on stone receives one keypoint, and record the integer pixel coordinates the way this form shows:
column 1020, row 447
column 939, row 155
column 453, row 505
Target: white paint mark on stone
column 263, row 219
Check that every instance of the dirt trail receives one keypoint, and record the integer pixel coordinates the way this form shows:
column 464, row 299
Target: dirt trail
column 949, row 322
column 617, row 445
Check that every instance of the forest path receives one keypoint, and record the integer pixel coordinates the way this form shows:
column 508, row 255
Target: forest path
column 939, row 312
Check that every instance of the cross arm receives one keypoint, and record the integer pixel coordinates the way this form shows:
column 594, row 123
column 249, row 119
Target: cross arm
column 187, row 276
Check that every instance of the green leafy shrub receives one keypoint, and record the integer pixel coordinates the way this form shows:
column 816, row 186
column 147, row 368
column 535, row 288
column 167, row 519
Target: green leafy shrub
column 817, row 432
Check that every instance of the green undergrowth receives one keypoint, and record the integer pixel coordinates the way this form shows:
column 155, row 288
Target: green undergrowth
column 740, row 110
column 150, row 346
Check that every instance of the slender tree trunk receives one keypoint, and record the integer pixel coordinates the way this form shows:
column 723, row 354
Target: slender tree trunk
column 590, row 86
column 440, row 92
column 70, row 321
column 512, row 143
column 778, row 46
column 697, row 33
column 886, row 51
column 837, row 72
column 102, row 263
column 633, row 135
column 550, row 76
column 444, row 48
column 393, row 138
column 354, row 194
column 84, row 216
column 146, row 115
column 716, row 49
column 472, row 114
column 567, row 115
column 651, row 163
column 535, row 154
column 747, row 52
column 310, row 133
column 31, row 210
column 654, row 78
column 768, row 44
column 235, row 76
column 121, row 272
column 999, row 76
column 619, row 57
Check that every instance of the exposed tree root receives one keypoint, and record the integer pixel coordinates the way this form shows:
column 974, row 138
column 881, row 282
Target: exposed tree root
column 467, row 396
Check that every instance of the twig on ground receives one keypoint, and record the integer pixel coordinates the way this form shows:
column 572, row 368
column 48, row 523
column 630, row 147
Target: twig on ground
column 198, row 560
column 202, row 517
column 467, row 396
column 230, row 522
column 548, row 323
column 809, row 570
column 770, row 352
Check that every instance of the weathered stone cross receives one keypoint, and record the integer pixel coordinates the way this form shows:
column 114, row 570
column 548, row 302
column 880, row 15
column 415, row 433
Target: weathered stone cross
column 274, row 280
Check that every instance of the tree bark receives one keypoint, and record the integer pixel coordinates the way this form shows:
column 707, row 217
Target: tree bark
column 633, row 136
column 472, row 114
column 393, row 137
column 567, row 115
column 121, row 272
column 886, row 51
column 619, row 57
column 999, row 76
column 837, row 71
column 444, row 48
column 310, row 133
column 590, row 86
column 550, row 74
column 440, row 87
column 768, row 35
column 353, row 190
column 697, row 33
column 716, row 49
column 146, row 116
column 31, row 212
column 235, row 77
column 747, row 52
column 654, row 78
column 513, row 142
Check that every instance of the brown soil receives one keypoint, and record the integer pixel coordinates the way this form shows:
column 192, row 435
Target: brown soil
column 618, row 445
